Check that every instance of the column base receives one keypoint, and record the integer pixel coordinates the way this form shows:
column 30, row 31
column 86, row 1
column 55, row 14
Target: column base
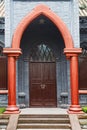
column 75, row 109
column 12, row 110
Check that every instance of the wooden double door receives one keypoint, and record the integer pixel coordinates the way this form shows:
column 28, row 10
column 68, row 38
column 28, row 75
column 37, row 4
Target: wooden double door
column 43, row 84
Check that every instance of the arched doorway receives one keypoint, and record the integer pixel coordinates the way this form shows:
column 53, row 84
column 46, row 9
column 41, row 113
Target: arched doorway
column 41, row 35
column 69, row 50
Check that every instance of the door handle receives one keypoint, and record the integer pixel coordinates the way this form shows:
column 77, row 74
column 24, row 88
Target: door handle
column 43, row 86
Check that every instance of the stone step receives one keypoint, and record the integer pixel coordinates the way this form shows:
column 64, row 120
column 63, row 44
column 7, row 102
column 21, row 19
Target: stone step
column 44, row 126
column 41, row 122
column 44, row 120
column 44, row 129
column 3, row 121
column 44, row 116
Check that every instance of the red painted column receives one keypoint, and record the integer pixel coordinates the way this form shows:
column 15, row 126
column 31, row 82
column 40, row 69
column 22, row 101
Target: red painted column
column 12, row 108
column 12, row 54
column 75, row 107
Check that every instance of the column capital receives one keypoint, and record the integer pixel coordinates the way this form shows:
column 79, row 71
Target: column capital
column 72, row 52
column 15, row 52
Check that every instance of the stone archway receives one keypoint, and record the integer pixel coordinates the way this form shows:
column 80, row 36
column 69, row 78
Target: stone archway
column 15, row 51
column 42, row 10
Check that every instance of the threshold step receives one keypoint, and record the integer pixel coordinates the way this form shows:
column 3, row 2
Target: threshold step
column 44, row 126
column 45, row 120
column 44, row 116
column 43, row 129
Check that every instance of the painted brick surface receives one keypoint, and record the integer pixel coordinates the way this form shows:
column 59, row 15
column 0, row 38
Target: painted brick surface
column 17, row 10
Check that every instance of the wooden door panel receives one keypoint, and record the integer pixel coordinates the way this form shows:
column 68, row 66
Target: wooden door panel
column 35, row 73
column 35, row 93
column 49, row 95
column 49, row 78
column 83, row 73
column 49, row 70
column 3, row 72
column 43, row 74
column 35, row 82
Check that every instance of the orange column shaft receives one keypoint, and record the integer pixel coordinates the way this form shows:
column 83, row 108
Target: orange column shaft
column 74, row 80
column 12, row 108
column 11, row 81
column 75, row 107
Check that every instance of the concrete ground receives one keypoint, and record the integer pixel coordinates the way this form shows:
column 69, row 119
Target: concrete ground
column 43, row 111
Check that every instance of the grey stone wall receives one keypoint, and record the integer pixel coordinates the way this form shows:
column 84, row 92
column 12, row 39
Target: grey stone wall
column 83, row 99
column 3, row 100
column 83, row 30
column 2, row 40
column 17, row 10
column 83, row 44
column 2, row 28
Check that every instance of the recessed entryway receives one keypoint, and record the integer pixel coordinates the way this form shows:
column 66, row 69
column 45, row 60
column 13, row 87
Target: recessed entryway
column 42, row 77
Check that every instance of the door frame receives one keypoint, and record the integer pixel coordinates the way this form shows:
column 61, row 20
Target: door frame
column 55, row 85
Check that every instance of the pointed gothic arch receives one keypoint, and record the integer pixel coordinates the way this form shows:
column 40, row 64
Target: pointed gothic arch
column 37, row 11
column 70, row 51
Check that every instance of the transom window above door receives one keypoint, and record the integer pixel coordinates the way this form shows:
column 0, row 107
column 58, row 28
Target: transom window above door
column 42, row 53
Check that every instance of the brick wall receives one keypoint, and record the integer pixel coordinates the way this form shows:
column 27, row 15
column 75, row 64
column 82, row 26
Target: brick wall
column 16, row 10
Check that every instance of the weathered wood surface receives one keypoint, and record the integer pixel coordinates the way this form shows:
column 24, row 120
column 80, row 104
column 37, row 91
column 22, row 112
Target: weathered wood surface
column 13, row 121
column 75, row 125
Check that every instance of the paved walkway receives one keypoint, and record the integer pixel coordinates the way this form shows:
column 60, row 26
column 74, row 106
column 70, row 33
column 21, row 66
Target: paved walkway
column 43, row 111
